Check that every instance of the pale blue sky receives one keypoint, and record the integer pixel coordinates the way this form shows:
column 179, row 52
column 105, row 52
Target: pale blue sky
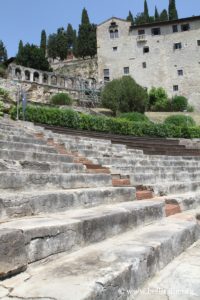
column 24, row 19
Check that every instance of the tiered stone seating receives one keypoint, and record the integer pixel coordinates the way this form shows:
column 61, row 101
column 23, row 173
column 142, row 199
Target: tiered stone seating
column 67, row 232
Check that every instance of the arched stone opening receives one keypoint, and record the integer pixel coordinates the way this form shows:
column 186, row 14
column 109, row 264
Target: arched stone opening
column 18, row 73
column 36, row 77
column 53, row 80
column 45, row 78
column 62, row 81
column 27, row 75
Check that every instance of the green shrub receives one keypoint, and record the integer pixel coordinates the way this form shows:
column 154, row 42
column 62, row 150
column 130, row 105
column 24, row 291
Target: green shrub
column 179, row 103
column 180, row 120
column 124, row 95
column 4, row 95
column 134, row 117
column 71, row 119
column 158, row 100
column 1, row 108
column 61, row 99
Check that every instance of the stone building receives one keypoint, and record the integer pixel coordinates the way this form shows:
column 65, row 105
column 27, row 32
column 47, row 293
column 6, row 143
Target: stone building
column 163, row 54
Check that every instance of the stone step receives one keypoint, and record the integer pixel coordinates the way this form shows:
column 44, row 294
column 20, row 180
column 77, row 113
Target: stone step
column 180, row 279
column 35, row 156
column 24, row 140
column 111, row 269
column 153, row 169
column 26, row 181
column 157, row 177
column 119, row 162
column 168, row 188
column 69, row 231
column 21, row 204
column 15, row 134
column 28, row 165
column 26, row 147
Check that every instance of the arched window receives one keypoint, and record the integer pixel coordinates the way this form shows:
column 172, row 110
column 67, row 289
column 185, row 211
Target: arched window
column 116, row 33
column 112, row 34
column 27, row 75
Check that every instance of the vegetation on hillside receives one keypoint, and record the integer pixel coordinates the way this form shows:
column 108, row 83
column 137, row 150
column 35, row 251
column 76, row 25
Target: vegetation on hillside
column 145, row 18
column 71, row 119
column 32, row 57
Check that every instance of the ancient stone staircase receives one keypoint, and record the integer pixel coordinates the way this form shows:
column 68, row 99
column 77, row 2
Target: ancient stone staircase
column 68, row 232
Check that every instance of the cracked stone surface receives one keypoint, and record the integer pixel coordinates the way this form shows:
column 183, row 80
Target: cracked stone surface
column 3, row 291
column 180, row 280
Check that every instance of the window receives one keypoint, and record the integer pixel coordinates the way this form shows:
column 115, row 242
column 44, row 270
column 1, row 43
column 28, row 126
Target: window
column 180, row 72
column 175, row 28
column 126, row 70
column 141, row 31
column 114, row 49
column 175, row 88
column 106, row 73
column 177, row 46
column 114, row 34
column 146, row 49
column 198, row 43
column 155, row 31
column 185, row 27
column 144, row 65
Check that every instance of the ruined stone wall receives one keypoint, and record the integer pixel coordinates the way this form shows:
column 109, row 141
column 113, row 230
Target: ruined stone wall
column 83, row 68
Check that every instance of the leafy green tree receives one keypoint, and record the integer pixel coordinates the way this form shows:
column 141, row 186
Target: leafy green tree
column 173, row 14
column 52, row 46
column 130, row 18
column 86, row 37
column 61, row 43
column 146, row 11
column 3, row 52
column 32, row 57
column 158, row 99
column 124, row 95
column 156, row 15
column 164, row 15
column 43, row 41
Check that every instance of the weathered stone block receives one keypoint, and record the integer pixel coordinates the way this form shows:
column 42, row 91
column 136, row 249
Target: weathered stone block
column 13, row 256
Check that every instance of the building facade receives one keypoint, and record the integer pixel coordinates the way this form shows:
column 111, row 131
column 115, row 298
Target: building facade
column 165, row 54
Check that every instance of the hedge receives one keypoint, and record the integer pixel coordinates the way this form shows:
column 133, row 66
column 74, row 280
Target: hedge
column 180, row 120
column 71, row 119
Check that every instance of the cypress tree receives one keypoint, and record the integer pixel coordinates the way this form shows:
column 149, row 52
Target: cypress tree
column 61, row 43
column 173, row 14
column 43, row 41
column 164, row 15
column 20, row 47
column 3, row 52
column 156, row 15
column 75, row 41
column 130, row 18
column 146, row 12
column 70, row 36
column 86, row 37
column 52, row 46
